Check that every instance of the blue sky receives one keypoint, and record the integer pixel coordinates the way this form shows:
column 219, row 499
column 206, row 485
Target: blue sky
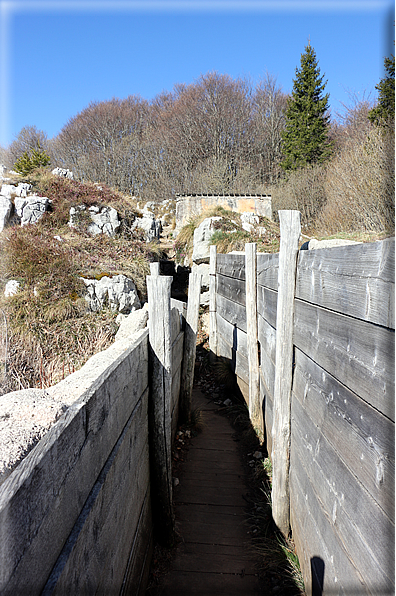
column 57, row 56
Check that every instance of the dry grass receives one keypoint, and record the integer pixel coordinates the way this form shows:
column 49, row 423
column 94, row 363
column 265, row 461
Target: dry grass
column 49, row 329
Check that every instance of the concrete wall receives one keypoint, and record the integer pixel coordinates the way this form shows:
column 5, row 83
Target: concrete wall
column 75, row 514
column 190, row 205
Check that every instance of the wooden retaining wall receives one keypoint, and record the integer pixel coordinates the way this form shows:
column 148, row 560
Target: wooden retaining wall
column 342, row 464
column 76, row 514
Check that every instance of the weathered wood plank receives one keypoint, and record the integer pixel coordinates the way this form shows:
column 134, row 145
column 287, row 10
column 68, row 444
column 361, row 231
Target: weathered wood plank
column 267, row 270
column 290, row 226
column 267, row 338
column 239, row 363
column 362, row 436
column 359, row 354
column 267, row 303
column 232, row 312
column 236, row 338
column 267, row 369
column 105, row 520
column 231, row 288
column 66, row 463
column 212, row 302
column 137, row 573
column 314, row 537
column 190, row 339
column 158, row 291
column 231, row 265
column 267, row 409
column 175, row 324
column 355, row 518
column 252, row 335
column 177, row 352
column 355, row 280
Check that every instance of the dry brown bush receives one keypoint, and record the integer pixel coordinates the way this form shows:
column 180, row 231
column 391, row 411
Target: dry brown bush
column 360, row 186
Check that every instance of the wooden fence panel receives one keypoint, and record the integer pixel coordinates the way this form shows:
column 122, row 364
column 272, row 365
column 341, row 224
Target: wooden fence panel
column 357, row 281
column 232, row 312
column 267, row 304
column 232, row 265
column 267, row 270
column 360, row 355
column 360, row 435
column 233, row 289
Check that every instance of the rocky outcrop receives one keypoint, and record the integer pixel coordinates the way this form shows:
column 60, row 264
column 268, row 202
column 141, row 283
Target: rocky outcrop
column 63, row 173
column 5, row 211
column 147, row 222
column 104, row 220
column 11, row 288
column 202, row 235
column 31, row 209
column 132, row 323
column 118, row 292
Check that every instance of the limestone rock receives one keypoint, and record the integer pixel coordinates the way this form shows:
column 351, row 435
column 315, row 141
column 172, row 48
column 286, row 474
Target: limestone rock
column 105, row 220
column 119, row 292
column 31, row 208
column 63, row 173
column 249, row 220
column 203, row 269
column 151, row 226
column 202, row 236
column 7, row 190
column 22, row 189
column 11, row 288
column 133, row 323
column 5, row 211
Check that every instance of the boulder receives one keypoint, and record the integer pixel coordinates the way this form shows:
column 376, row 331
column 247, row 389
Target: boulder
column 11, row 288
column 119, row 292
column 202, row 236
column 30, row 209
column 5, row 211
column 249, row 220
column 7, row 190
column 151, row 226
column 105, row 220
column 22, row 189
column 63, row 173
column 133, row 323
column 203, row 269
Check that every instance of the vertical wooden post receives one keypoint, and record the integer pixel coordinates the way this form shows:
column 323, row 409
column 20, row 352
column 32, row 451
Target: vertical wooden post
column 190, row 340
column 212, row 303
column 154, row 268
column 158, row 291
column 252, row 335
column 290, row 228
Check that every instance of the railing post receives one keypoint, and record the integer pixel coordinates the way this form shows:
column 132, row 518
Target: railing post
column 159, row 291
column 190, row 340
column 212, row 303
column 290, row 229
column 252, row 335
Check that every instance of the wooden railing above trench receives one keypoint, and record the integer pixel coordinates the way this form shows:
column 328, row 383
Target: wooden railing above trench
column 310, row 335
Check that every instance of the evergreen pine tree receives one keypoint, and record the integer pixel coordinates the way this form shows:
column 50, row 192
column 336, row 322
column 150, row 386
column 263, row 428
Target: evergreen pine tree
column 29, row 161
column 384, row 111
column 305, row 137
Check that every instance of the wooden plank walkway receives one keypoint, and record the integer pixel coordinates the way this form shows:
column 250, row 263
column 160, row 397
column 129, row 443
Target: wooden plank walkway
column 213, row 556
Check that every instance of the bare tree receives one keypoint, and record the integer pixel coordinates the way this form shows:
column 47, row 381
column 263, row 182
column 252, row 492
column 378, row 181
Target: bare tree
column 29, row 137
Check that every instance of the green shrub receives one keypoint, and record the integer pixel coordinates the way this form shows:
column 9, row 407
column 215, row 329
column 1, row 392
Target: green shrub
column 31, row 160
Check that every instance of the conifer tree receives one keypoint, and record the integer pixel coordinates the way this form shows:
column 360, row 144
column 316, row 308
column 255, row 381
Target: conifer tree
column 305, row 137
column 384, row 111
column 29, row 161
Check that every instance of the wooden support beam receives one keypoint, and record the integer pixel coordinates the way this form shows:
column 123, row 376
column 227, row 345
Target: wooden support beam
column 190, row 340
column 290, row 228
column 154, row 268
column 212, row 303
column 252, row 336
column 158, row 291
